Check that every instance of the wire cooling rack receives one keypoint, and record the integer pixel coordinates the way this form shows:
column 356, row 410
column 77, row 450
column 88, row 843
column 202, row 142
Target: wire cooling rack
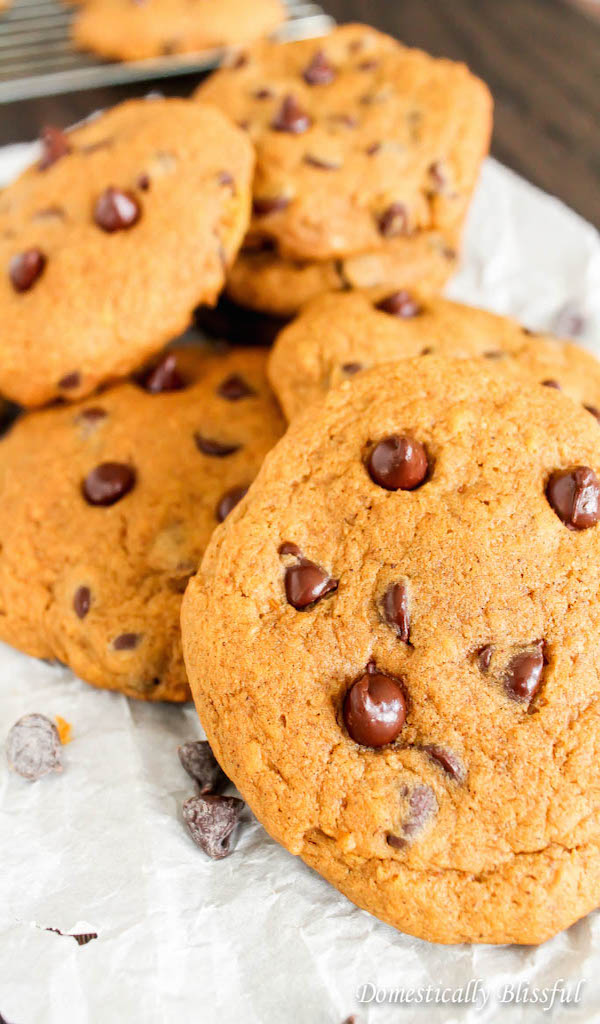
column 37, row 57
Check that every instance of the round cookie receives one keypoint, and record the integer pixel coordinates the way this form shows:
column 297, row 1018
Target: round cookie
column 393, row 644
column 337, row 336
column 109, row 242
column 359, row 139
column 126, row 30
column 99, row 536
column 260, row 280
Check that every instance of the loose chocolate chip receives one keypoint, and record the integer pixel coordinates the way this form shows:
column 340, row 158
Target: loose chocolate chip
column 574, row 494
column 25, row 268
column 211, row 821
column 143, row 182
column 524, row 674
column 234, row 387
column 163, row 376
column 398, row 463
column 393, row 221
column 447, row 760
column 288, row 548
column 33, row 747
column 82, row 601
column 126, row 641
column 199, row 761
column 116, row 210
column 93, row 414
column 375, row 710
column 108, row 483
column 70, row 381
column 484, row 657
column 228, row 502
column 396, row 611
column 291, row 117
column 352, row 368
column 262, row 207
column 319, row 71
column 208, row 446
column 320, row 164
column 593, row 410
column 400, row 304
column 55, row 145
column 306, row 583
column 551, row 384
column 422, row 806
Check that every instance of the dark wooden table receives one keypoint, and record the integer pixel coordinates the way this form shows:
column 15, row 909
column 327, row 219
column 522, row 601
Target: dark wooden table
column 541, row 59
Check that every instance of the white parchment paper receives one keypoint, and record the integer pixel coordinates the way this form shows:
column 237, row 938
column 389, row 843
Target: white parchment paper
column 256, row 938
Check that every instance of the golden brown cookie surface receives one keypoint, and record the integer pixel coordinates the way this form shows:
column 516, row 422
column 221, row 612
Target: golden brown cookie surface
column 112, row 239
column 106, row 507
column 405, row 683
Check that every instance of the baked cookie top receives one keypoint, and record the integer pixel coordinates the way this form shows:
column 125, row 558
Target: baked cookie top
column 96, row 550
column 109, row 242
column 393, row 647
column 337, row 336
column 126, row 30
column 358, row 139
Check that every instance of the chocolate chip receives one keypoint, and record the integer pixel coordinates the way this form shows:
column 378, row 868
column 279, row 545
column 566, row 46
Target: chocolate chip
column 393, row 221
column 82, row 601
column 422, row 806
column 306, row 583
column 219, row 449
column 398, row 463
column 262, row 207
column 55, row 145
column 375, row 709
column 70, row 381
column 551, row 384
column 400, row 304
column 593, row 410
column 163, row 376
column 291, row 117
column 484, row 657
column 228, row 502
column 211, row 821
column 25, row 268
column 574, row 494
column 199, row 761
column 143, row 182
column 352, row 368
column 524, row 674
column 320, row 164
column 395, row 610
column 108, row 483
column 288, row 548
column 116, row 210
column 126, row 641
column 93, row 414
column 319, row 71
column 9, row 413
column 234, row 387
column 447, row 760
column 33, row 747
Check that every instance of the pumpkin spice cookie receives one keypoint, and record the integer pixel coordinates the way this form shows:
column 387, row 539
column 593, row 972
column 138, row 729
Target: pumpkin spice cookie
column 359, row 140
column 109, row 242
column 424, row 547
column 95, row 556
column 140, row 29
column 337, row 336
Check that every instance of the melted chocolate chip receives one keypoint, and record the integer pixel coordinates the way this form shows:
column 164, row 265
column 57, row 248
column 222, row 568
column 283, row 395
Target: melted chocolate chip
column 163, row 376
column 291, row 117
column 484, row 657
column 55, row 145
column 352, row 368
column 201, row 764
column 319, row 71
column 447, row 760
column 70, row 381
column 126, row 641
column 269, row 204
column 524, row 674
column 306, row 583
column 218, row 449
column 393, row 221
column 398, row 463
column 108, row 483
column 395, row 610
column 33, row 747
column 574, row 494
column 116, row 210
column 375, row 710
column 400, row 304
column 422, row 806
column 25, row 269
column 234, row 387
column 551, row 384
column 228, row 502
column 211, row 821
column 82, row 602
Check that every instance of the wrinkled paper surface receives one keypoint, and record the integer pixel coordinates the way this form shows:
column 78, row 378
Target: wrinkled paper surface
column 257, row 938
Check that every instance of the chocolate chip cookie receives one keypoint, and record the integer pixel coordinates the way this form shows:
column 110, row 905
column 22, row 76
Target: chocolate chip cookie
column 337, row 336
column 109, row 242
column 139, row 29
column 394, row 648
column 359, row 140
column 106, row 507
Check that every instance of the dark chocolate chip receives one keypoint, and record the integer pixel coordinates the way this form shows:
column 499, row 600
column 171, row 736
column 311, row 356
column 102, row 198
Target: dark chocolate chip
column 398, row 463
column 422, row 806
column 33, row 747
column 162, row 376
column 218, row 449
column 55, row 145
column 319, row 71
column 108, row 483
column 306, row 583
column 9, row 414
column 25, row 268
column 116, row 210
column 262, row 207
column 375, row 709
column 70, row 381
column 593, row 410
column 320, row 164
column 447, row 760
column 524, row 674
column 396, row 611
column 126, row 641
column 228, row 502
column 211, row 821
column 288, row 548
column 484, row 657
column 393, row 221
column 352, row 368
column 199, row 761
column 551, row 384
column 574, row 494
column 400, row 304
column 234, row 387
column 291, row 117
column 82, row 601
